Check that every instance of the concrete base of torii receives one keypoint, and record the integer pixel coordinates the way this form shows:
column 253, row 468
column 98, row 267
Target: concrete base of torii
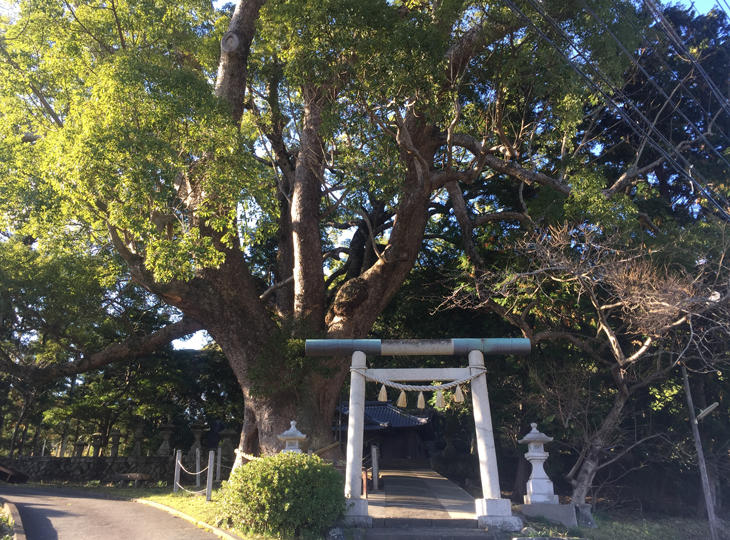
column 356, row 514
column 496, row 514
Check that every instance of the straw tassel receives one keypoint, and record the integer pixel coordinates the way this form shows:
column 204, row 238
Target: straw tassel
column 421, row 401
column 440, row 404
column 402, row 399
column 383, row 395
column 458, row 395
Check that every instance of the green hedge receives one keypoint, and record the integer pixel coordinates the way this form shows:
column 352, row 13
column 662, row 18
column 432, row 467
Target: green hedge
column 287, row 494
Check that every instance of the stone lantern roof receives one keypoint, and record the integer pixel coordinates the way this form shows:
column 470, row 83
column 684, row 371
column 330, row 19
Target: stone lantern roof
column 291, row 438
column 535, row 437
column 292, row 434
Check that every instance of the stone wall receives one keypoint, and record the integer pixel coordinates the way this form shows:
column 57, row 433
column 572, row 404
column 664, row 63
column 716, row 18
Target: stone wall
column 84, row 469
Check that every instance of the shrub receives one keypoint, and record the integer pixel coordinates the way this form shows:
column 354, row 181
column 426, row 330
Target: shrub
column 287, row 494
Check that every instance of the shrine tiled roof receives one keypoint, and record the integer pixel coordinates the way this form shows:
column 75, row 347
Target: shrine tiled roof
column 384, row 415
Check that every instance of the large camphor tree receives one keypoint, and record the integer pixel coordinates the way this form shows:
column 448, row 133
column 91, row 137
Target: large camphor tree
column 272, row 169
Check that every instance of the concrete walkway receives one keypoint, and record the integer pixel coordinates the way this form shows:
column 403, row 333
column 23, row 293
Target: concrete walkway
column 59, row 514
column 420, row 495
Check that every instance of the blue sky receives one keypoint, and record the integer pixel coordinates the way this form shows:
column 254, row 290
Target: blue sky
column 702, row 6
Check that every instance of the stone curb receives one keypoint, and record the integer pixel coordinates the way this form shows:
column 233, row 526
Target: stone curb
column 18, row 530
column 220, row 533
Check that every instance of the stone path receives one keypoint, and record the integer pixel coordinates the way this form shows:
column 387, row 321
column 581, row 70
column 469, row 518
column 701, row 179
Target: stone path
column 60, row 514
column 420, row 494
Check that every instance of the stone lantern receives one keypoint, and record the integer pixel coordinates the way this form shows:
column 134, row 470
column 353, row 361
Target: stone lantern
column 114, row 437
column 96, row 439
column 79, row 447
column 227, row 447
column 137, row 441
column 539, row 486
column 291, row 438
column 166, row 432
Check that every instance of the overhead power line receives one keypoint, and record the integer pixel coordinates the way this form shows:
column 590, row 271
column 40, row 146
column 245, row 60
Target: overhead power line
column 659, row 16
column 637, row 128
column 651, row 80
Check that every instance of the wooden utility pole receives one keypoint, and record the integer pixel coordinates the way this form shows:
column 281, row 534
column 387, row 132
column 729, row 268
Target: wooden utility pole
column 711, row 518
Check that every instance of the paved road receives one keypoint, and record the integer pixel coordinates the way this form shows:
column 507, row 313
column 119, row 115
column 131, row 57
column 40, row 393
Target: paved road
column 60, row 514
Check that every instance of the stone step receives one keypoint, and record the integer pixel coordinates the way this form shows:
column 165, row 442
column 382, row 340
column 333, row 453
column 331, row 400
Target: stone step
column 411, row 523
column 426, row 533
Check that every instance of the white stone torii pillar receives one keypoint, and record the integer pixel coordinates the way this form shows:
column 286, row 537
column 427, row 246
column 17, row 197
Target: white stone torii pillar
column 357, row 509
column 491, row 510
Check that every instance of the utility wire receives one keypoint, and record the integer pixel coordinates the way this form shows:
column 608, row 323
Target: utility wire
column 650, row 124
column 719, row 5
column 689, row 92
column 649, row 78
column 638, row 130
column 683, row 49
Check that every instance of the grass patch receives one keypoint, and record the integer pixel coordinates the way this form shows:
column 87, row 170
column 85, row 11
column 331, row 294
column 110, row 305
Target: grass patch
column 668, row 528
column 6, row 530
column 192, row 505
column 623, row 526
column 197, row 507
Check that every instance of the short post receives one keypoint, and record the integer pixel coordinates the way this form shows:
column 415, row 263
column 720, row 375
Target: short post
column 197, row 467
column 376, row 465
column 178, row 458
column 492, row 510
column 218, row 466
column 357, row 510
column 209, row 482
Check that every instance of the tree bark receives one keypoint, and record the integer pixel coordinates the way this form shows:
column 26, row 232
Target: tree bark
column 34, row 441
column 21, row 419
column 308, row 273
column 230, row 82
column 592, row 460
column 21, row 444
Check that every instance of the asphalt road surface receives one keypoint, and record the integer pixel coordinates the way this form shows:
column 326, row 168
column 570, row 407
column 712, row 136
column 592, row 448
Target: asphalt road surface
column 61, row 514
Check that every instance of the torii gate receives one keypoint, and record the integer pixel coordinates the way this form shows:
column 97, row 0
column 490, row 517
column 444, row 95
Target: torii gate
column 491, row 510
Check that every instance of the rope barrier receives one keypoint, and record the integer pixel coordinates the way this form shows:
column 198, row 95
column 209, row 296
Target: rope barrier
column 420, row 388
column 328, row 447
column 200, row 492
column 245, row 455
column 191, row 473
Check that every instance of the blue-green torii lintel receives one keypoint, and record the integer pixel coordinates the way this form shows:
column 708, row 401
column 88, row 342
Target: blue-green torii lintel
column 406, row 347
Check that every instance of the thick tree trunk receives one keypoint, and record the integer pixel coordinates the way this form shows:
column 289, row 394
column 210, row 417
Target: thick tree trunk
column 308, row 273
column 64, row 432
column 21, row 419
column 592, row 461
column 21, row 444
column 34, row 450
